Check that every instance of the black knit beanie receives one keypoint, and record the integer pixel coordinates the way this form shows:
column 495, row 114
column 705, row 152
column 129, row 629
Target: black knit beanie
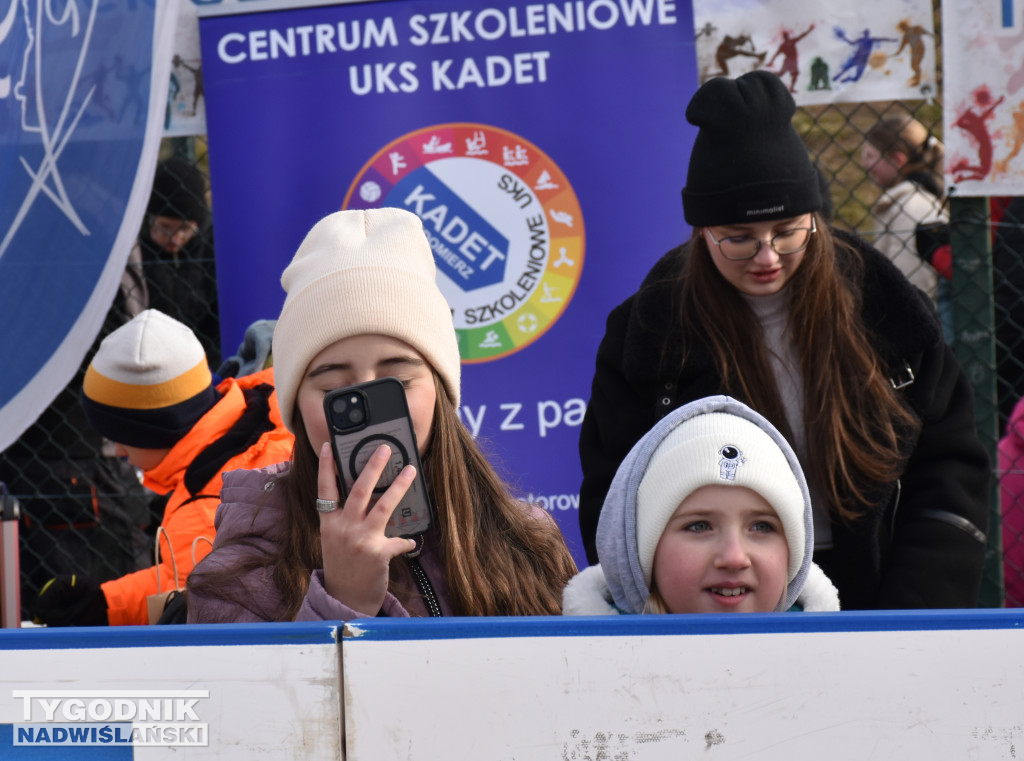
column 748, row 164
column 179, row 192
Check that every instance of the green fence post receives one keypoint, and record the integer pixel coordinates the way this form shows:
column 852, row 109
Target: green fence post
column 974, row 345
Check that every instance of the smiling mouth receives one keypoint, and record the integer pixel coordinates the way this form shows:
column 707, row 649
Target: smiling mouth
column 729, row 591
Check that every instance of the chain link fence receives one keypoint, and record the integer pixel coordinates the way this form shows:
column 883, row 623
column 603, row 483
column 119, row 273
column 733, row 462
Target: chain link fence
column 85, row 510
column 968, row 254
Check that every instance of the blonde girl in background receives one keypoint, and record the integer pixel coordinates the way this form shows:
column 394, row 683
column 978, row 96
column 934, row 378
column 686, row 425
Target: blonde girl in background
column 905, row 160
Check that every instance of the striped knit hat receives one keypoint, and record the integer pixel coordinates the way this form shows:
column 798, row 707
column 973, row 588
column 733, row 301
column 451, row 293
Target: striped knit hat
column 148, row 383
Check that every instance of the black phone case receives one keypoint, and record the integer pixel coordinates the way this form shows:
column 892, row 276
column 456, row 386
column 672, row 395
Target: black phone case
column 386, row 421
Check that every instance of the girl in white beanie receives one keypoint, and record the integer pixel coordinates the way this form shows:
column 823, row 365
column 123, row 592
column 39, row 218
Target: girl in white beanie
column 709, row 513
column 361, row 304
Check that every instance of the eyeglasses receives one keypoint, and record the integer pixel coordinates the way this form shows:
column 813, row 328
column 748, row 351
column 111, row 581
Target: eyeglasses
column 739, row 248
column 184, row 230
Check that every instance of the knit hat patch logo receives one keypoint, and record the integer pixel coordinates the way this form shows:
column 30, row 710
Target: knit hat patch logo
column 502, row 220
column 732, row 459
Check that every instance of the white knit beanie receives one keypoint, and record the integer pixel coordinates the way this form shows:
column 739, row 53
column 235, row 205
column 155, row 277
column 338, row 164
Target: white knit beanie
column 148, row 383
column 722, row 449
column 362, row 272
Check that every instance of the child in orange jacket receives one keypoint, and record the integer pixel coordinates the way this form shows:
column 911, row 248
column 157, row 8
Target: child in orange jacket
column 150, row 391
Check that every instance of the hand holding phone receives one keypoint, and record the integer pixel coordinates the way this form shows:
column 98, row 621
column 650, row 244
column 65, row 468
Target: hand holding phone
column 356, row 553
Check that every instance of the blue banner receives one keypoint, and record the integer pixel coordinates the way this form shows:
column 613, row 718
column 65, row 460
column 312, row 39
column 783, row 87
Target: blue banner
column 544, row 146
column 81, row 109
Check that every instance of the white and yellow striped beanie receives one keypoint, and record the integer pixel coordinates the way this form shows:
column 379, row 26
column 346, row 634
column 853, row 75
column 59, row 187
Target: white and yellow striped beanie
column 356, row 273
column 148, row 383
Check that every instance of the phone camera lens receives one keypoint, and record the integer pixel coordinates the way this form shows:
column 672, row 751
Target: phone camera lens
column 355, row 415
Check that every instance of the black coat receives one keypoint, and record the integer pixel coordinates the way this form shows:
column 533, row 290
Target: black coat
column 921, row 543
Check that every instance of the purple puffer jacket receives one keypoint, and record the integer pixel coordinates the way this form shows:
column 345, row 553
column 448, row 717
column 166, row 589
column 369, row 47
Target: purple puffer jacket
column 252, row 506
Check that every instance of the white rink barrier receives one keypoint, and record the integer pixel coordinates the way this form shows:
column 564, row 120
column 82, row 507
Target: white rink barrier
column 907, row 685
column 266, row 691
column 930, row 685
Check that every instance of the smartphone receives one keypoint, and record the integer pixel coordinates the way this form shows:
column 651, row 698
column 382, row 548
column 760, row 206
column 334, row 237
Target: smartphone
column 359, row 419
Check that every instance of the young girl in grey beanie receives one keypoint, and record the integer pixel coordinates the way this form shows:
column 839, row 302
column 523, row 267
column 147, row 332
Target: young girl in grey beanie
column 362, row 303
column 709, row 513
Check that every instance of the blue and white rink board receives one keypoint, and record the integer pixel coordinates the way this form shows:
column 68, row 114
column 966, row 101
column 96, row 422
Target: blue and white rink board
column 262, row 691
column 930, row 685
column 901, row 685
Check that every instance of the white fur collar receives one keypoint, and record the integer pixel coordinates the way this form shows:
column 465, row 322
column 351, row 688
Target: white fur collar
column 587, row 594
column 819, row 593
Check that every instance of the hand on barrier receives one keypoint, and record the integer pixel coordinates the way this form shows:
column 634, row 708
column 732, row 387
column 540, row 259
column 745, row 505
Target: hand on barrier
column 74, row 600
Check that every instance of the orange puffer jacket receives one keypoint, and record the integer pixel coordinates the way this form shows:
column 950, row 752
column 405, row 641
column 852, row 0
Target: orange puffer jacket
column 243, row 431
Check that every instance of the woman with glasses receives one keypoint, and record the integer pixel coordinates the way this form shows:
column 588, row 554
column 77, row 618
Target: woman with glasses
column 821, row 334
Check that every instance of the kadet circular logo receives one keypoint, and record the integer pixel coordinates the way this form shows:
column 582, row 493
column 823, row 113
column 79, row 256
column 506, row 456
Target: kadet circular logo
column 503, row 222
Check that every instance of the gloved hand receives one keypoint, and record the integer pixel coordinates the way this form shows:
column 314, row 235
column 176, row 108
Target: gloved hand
column 74, row 600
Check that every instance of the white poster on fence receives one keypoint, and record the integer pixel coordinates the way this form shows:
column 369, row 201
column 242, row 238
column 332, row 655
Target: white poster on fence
column 825, row 52
column 186, row 104
column 984, row 97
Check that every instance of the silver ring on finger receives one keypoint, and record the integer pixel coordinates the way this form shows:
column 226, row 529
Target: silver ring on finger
column 326, row 505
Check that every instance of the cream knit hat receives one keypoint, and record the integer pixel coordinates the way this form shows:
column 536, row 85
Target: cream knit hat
column 727, row 450
column 360, row 272
column 148, row 383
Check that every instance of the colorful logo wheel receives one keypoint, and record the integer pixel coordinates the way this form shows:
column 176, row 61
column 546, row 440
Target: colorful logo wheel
column 502, row 220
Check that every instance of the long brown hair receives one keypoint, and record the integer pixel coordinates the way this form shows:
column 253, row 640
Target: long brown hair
column 498, row 558
column 853, row 417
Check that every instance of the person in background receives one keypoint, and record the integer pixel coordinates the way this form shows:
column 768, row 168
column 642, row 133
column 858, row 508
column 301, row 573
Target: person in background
column 906, row 162
column 708, row 513
column 149, row 390
column 83, row 509
column 1011, row 489
column 823, row 336
column 172, row 264
column 362, row 303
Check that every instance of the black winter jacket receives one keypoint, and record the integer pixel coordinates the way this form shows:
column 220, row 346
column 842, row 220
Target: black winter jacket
column 921, row 543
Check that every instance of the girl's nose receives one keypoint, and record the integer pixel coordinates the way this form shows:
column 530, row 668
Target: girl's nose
column 766, row 255
column 732, row 552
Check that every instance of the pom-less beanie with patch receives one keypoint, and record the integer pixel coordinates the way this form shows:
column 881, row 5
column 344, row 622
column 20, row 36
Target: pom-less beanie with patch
column 748, row 164
column 356, row 273
column 148, row 383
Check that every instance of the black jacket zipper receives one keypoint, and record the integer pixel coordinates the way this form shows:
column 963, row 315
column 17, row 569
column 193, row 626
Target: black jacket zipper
column 426, row 590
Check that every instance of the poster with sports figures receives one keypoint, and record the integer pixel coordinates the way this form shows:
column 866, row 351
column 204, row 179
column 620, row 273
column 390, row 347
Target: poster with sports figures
column 186, row 106
column 186, row 99
column 825, row 52
column 544, row 146
column 82, row 87
column 983, row 114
